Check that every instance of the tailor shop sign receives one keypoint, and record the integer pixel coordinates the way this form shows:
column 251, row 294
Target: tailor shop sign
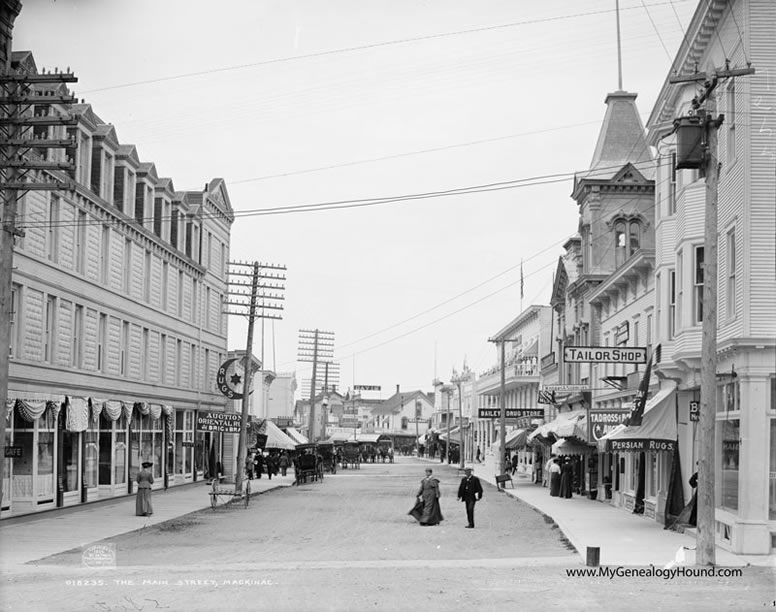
column 638, row 445
column 604, row 422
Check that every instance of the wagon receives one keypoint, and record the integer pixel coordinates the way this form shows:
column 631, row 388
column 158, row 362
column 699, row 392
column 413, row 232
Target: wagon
column 328, row 453
column 351, row 455
column 307, row 464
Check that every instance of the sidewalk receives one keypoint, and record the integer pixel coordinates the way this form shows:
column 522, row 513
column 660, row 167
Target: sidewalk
column 622, row 538
column 34, row 537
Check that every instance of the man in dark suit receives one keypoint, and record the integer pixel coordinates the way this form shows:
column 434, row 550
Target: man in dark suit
column 470, row 492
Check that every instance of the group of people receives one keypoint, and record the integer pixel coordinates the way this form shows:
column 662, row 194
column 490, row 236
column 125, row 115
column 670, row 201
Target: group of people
column 560, row 476
column 256, row 464
column 427, row 510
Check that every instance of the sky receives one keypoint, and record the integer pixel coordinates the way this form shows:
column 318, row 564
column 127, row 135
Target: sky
column 298, row 103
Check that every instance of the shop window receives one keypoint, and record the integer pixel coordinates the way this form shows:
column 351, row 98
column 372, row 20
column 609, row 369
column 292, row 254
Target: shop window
column 653, row 483
column 70, row 447
column 728, row 441
column 91, row 454
column 772, row 472
column 45, row 450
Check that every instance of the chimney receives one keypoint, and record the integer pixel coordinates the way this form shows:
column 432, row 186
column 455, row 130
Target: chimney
column 397, row 390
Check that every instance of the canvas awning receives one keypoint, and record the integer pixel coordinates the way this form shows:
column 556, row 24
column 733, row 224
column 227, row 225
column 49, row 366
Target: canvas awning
column 657, row 432
column 548, row 432
column 340, row 436
column 567, row 446
column 369, row 438
column 297, row 437
column 454, row 435
column 275, row 436
column 516, row 439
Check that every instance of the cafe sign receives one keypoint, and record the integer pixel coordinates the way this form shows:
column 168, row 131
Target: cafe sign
column 604, row 422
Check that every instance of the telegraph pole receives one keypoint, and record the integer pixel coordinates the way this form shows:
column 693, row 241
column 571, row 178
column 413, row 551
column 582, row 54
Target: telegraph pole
column 315, row 345
column 706, row 538
column 237, row 296
column 27, row 122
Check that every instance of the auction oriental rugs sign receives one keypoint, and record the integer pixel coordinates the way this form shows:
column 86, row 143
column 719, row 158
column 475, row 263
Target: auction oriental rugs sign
column 218, row 421
column 638, row 445
column 604, row 422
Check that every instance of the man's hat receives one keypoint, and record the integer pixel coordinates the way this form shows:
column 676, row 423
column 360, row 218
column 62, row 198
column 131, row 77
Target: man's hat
column 147, row 464
column 468, row 468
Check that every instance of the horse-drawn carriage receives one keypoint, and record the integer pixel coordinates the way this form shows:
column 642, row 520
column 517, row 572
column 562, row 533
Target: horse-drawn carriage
column 351, row 455
column 328, row 453
column 308, row 464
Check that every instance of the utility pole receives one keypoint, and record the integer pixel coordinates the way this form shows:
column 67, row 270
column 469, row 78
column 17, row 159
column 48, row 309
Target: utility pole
column 27, row 124
column 457, row 379
column 502, row 401
column 238, row 296
column 324, row 404
column 315, row 345
column 709, row 165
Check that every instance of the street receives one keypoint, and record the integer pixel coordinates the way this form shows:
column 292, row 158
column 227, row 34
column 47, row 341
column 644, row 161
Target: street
column 347, row 544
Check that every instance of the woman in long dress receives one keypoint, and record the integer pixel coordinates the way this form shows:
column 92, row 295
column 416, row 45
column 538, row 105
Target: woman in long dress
column 555, row 478
column 566, row 478
column 427, row 510
column 144, row 480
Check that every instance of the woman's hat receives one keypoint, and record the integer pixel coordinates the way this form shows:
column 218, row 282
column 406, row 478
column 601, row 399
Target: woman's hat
column 147, row 464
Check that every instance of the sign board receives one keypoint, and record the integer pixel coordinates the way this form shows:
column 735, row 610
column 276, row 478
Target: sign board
column 622, row 333
column 261, row 441
column 695, row 411
column 642, row 445
column 367, row 387
column 13, row 451
column 218, row 421
column 284, row 421
column 605, row 354
column 566, row 388
column 605, row 421
column 418, row 420
column 229, row 380
column 511, row 413
column 546, row 397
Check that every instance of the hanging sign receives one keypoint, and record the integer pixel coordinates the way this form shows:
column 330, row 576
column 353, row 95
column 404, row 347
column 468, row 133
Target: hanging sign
column 605, row 421
column 605, row 354
column 230, row 377
column 695, row 411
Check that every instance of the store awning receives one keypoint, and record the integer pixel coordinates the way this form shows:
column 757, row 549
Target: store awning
column 567, row 446
column 369, row 438
column 454, row 435
column 340, row 436
column 516, row 439
column 548, row 432
column 297, row 437
column 275, row 436
column 657, row 432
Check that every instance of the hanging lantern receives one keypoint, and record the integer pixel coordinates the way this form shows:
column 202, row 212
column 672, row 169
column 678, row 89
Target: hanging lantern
column 689, row 142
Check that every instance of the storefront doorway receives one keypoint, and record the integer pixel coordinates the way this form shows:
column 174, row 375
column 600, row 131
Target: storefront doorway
column 112, row 471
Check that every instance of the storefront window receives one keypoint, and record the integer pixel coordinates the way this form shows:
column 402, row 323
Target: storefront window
column 652, row 475
column 91, row 454
column 46, row 475
column 728, row 397
column 728, row 440
column 772, row 474
column 70, row 443
column 157, row 445
column 633, row 479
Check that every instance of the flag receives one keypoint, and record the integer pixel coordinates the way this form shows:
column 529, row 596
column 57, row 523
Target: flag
column 640, row 401
column 522, row 280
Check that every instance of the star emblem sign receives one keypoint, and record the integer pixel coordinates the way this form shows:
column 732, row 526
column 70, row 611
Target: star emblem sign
column 236, row 379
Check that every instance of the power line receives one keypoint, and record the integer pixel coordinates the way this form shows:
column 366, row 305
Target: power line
column 331, row 52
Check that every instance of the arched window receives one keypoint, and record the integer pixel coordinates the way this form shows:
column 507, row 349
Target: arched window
column 627, row 240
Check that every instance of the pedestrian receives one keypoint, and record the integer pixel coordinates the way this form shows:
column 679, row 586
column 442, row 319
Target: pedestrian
column 283, row 463
column 427, row 510
column 249, row 466
column 478, row 455
column 144, row 480
column 547, row 469
column 270, row 462
column 470, row 492
column 693, row 519
column 566, row 478
column 258, row 464
column 555, row 478
column 390, row 454
column 514, row 464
